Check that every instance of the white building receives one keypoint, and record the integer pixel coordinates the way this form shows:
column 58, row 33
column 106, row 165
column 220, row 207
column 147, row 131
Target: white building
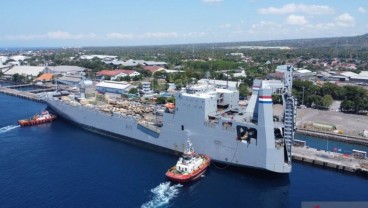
column 113, row 87
column 240, row 74
column 303, row 73
column 146, row 88
column 231, row 85
column 102, row 57
column 354, row 77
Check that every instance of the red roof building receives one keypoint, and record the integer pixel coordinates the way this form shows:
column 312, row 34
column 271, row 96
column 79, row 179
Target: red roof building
column 115, row 72
column 45, row 77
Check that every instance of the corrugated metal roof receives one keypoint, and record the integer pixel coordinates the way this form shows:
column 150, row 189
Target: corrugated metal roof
column 349, row 74
column 28, row 70
column 363, row 73
column 115, row 85
column 66, row 68
column 302, row 71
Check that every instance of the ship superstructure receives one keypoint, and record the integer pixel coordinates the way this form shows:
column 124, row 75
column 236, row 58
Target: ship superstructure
column 246, row 136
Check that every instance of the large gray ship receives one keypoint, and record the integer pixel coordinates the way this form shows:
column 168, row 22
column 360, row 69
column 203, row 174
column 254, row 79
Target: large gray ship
column 232, row 134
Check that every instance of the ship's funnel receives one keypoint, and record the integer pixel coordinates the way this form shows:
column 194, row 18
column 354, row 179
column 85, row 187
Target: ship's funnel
column 265, row 116
column 252, row 108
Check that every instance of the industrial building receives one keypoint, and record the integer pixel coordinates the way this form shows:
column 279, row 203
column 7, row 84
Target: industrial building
column 113, row 87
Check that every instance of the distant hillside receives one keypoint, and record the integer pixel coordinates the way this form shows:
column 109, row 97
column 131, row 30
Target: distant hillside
column 360, row 41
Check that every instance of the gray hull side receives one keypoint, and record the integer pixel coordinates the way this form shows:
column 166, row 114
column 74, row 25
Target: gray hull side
column 217, row 142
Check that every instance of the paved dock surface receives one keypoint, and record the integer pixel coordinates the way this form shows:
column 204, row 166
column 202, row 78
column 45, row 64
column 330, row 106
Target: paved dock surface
column 22, row 94
column 330, row 159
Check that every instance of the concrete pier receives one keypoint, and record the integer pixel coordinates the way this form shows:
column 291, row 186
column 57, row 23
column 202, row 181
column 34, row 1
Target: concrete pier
column 330, row 160
column 21, row 94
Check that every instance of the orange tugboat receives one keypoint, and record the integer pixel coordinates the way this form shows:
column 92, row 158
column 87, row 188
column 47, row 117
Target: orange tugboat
column 189, row 167
column 45, row 117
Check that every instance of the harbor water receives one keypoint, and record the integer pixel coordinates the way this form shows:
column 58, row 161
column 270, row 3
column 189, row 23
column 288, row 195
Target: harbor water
column 61, row 165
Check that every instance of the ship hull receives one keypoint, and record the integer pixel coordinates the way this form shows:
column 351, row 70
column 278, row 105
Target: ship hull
column 216, row 143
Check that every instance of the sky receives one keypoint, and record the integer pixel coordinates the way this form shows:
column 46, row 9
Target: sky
column 78, row 23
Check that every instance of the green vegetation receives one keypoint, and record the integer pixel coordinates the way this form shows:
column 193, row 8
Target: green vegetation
column 354, row 98
column 133, row 91
column 18, row 78
column 276, row 99
column 162, row 100
column 243, row 90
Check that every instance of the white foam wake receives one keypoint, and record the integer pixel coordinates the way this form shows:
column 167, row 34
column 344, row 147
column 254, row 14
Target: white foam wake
column 8, row 128
column 162, row 194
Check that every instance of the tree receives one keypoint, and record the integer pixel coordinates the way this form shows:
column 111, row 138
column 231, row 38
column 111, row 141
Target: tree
column 137, row 78
column 243, row 90
column 171, row 99
column 314, row 101
column 160, row 74
column 160, row 100
column 327, row 101
column 347, row 106
column 276, row 99
column 126, row 78
column 18, row 78
column 356, row 100
column 133, row 91
column 155, row 86
column 178, row 84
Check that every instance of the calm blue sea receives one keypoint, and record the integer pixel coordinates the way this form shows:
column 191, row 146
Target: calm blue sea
column 61, row 165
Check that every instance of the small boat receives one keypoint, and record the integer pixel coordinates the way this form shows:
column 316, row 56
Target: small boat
column 45, row 117
column 189, row 167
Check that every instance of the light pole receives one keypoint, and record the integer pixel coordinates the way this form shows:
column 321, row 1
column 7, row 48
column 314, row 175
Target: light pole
column 303, row 96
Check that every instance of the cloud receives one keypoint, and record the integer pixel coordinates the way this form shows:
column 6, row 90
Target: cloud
column 55, row 35
column 147, row 35
column 296, row 20
column 194, row 35
column 264, row 26
column 60, row 35
column 345, row 20
column 298, row 8
column 212, row 1
column 115, row 35
column 159, row 35
column 361, row 10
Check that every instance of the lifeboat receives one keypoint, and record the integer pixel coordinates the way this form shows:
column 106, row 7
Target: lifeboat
column 44, row 117
column 189, row 167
